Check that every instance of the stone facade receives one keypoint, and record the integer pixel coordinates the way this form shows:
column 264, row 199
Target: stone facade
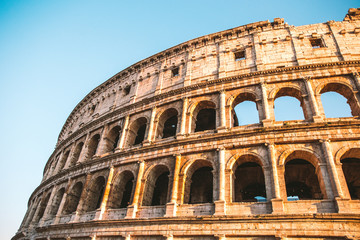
column 155, row 152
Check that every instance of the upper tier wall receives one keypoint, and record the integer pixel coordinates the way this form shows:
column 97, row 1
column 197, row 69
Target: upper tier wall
column 265, row 45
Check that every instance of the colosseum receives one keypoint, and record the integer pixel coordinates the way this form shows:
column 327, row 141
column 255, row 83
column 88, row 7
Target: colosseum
column 157, row 151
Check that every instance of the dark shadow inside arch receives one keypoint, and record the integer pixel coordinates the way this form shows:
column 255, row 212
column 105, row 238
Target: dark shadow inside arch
column 205, row 120
column 95, row 194
column 156, row 189
column 160, row 190
column 170, row 127
column 301, row 180
column 73, row 198
column 56, row 201
column 351, row 170
column 201, row 189
column 112, row 140
column 121, row 192
column 92, row 146
column 76, row 154
column 249, row 182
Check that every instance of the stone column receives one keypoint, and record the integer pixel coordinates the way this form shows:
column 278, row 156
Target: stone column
column 220, row 237
column 123, row 134
column 315, row 109
column 220, row 204
column 267, row 121
column 183, row 116
column 222, row 111
column 169, row 237
column 102, row 141
column 171, row 206
column 151, row 127
column 68, row 161
column 106, row 194
column 332, row 168
column 132, row 209
column 84, row 149
column 48, row 206
column 276, row 202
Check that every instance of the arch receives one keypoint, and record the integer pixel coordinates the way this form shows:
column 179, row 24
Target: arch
column 248, row 178
column 122, row 190
column 167, row 123
column 294, row 92
column 290, row 154
column 199, row 182
column 93, row 146
column 343, row 89
column 137, row 131
column 63, row 160
column 239, row 99
column 42, row 206
column 232, row 163
column 56, row 201
column 156, row 187
column 203, row 116
column 76, row 154
column 302, row 179
column 95, row 193
column 351, row 167
column 73, row 198
column 111, row 141
column 340, row 153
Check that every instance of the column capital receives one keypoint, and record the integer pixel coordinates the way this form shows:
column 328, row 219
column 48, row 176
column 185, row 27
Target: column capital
column 306, row 78
column 355, row 74
column 220, row 148
column 324, row 140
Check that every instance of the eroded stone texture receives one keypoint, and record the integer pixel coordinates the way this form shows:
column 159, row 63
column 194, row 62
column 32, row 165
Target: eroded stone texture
column 157, row 151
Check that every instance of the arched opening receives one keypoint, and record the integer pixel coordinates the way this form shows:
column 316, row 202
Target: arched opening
column 301, row 180
column 76, row 154
column 73, row 198
column 112, row 139
column 287, row 107
column 92, row 146
column 342, row 110
column 63, row 160
column 249, row 182
column 201, row 189
column 204, row 117
column 56, row 201
column 156, row 189
column 122, row 189
column 335, row 105
column 167, row 125
column 137, row 132
column 244, row 110
column 42, row 207
column 351, row 169
column 95, row 194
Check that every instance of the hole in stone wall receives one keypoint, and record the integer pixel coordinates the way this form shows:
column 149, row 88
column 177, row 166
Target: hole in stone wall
column 316, row 43
column 246, row 113
column 301, row 180
column 125, row 201
column 160, row 190
column 201, row 189
column 351, row 170
column 127, row 90
column 205, row 120
column 93, row 145
column 170, row 127
column 140, row 135
column 73, row 198
column 175, row 72
column 288, row 108
column 249, row 182
column 56, row 201
column 335, row 105
column 112, row 140
column 121, row 191
column 76, row 154
column 95, row 194
column 239, row 55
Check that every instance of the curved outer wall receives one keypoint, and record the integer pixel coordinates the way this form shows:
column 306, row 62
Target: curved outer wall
column 114, row 145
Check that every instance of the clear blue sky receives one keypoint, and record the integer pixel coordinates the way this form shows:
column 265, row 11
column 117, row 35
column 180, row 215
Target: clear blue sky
column 52, row 53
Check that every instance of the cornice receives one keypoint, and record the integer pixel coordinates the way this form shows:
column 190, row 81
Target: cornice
column 239, row 133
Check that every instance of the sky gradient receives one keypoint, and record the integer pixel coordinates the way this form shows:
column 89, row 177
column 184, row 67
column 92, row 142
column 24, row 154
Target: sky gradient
column 52, row 53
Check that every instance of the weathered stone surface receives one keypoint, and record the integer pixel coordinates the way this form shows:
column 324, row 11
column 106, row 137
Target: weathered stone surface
column 155, row 152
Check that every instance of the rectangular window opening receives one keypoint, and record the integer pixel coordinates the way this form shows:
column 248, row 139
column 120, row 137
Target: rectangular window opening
column 239, row 55
column 175, row 72
column 316, row 43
